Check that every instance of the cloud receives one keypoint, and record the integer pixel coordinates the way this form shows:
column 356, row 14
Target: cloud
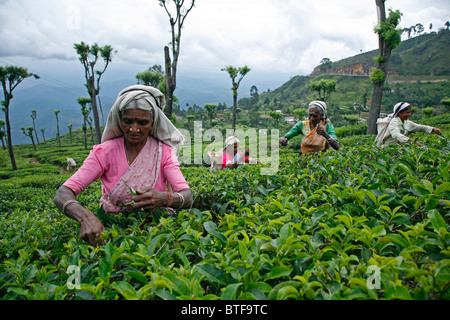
column 269, row 35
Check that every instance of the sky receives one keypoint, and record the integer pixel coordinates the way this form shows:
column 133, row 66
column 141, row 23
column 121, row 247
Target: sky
column 285, row 37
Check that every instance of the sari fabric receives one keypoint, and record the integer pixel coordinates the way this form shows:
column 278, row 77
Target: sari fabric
column 156, row 166
column 139, row 175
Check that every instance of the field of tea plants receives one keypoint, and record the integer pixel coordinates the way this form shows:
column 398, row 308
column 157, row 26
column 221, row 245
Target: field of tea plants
column 359, row 223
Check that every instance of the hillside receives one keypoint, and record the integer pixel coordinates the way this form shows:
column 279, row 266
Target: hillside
column 419, row 73
column 422, row 55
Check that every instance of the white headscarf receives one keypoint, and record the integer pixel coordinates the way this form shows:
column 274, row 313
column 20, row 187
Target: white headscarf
column 231, row 140
column 399, row 107
column 321, row 106
column 147, row 98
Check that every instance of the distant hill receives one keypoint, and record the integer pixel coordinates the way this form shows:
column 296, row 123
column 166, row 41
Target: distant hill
column 421, row 58
column 419, row 73
column 427, row 54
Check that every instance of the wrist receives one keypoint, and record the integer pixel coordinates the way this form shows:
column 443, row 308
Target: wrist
column 169, row 198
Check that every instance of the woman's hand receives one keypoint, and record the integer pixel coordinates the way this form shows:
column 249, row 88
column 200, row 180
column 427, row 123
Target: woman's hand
column 150, row 199
column 91, row 230
column 321, row 130
column 90, row 226
column 283, row 141
column 437, row 131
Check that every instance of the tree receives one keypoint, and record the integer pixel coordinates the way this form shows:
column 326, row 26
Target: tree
column 83, row 101
column 43, row 133
column 276, row 116
column 88, row 56
column 70, row 132
column 29, row 133
column 11, row 77
column 211, row 111
column 2, row 133
column 151, row 77
column 190, row 118
column 254, row 96
column 234, row 73
column 324, row 88
column 325, row 64
column 176, row 20
column 33, row 117
column 57, row 127
column 389, row 37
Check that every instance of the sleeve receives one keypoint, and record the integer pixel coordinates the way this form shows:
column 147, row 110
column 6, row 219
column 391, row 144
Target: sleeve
column 172, row 171
column 91, row 170
column 295, row 130
column 394, row 130
column 414, row 127
column 331, row 132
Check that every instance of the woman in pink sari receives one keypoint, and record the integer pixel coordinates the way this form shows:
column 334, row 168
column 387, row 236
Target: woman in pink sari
column 136, row 163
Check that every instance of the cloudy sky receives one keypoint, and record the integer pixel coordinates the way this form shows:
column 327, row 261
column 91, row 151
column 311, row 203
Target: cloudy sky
column 277, row 36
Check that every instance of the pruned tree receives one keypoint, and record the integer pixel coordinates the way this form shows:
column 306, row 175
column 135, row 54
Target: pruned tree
column 151, row 77
column 83, row 101
column 43, row 133
column 211, row 111
column 33, row 117
column 88, row 56
column 70, row 132
column 177, row 16
column 276, row 116
column 2, row 133
column 29, row 133
column 57, row 127
column 11, row 77
column 234, row 73
column 389, row 37
column 324, row 88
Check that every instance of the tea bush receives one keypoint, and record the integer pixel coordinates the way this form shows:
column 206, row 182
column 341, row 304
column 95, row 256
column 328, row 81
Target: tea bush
column 359, row 223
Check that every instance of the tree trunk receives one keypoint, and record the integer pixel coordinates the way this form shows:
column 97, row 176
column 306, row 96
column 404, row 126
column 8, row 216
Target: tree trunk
column 234, row 109
column 170, row 88
column 32, row 140
column 377, row 90
column 8, row 133
column 93, row 95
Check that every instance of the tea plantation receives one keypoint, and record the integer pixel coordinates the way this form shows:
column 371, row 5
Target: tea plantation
column 359, row 223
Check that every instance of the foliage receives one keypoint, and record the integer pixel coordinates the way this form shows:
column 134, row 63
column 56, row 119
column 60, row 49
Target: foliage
column 377, row 75
column 388, row 30
column 324, row 88
column 359, row 223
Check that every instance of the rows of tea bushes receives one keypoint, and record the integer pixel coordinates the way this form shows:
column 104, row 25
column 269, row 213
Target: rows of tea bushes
column 360, row 223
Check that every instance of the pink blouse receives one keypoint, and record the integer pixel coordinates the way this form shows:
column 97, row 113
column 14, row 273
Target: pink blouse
column 108, row 162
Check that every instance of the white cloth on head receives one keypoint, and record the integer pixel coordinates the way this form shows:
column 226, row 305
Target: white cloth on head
column 399, row 107
column 321, row 106
column 150, row 99
column 231, row 140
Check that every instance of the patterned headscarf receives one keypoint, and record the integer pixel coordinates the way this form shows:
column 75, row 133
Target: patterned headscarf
column 144, row 98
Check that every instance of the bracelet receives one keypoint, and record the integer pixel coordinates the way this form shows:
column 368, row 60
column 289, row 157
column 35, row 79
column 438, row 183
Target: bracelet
column 181, row 200
column 170, row 199
column 67, row 203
